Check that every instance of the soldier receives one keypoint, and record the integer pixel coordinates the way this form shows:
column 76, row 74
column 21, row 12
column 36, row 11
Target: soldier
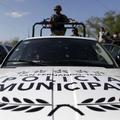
column 101, row 35
column 75, row 32
column 57, row 21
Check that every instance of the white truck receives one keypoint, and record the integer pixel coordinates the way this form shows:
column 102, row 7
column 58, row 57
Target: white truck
column 59, row 78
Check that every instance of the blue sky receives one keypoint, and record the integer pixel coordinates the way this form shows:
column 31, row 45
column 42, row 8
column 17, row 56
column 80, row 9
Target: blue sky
column 18, row 16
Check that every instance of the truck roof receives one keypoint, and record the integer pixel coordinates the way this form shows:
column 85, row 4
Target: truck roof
column 40, row 37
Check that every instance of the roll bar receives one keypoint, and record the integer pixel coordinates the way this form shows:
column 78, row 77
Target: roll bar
column 46, row 25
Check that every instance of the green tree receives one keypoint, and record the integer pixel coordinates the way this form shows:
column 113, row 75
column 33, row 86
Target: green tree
column 11, row 42
column 92, row 26
column 14, row 41
column 110, row 21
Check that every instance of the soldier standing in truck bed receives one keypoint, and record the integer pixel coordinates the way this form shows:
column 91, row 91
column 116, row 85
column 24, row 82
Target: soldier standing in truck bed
column 57, row 21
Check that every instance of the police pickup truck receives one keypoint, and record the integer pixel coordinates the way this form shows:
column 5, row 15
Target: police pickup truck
column 59, row 78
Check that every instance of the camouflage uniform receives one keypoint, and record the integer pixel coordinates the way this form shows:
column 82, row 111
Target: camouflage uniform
column 57, row 22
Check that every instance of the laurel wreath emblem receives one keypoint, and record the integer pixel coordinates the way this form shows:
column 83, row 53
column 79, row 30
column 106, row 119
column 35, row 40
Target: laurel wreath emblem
column 101, row 105
column 27, row 105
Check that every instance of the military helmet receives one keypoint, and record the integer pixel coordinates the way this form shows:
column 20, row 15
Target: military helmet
column 58, row 7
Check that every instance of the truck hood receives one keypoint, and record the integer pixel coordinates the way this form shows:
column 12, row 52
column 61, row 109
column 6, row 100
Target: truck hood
column 58, row 93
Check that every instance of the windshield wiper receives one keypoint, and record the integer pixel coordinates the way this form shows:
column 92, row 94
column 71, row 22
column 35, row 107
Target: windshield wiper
column 59, row 63
column 75, row 62
column 28, row 62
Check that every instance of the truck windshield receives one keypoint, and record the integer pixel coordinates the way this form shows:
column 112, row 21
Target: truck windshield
column 59, row 51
